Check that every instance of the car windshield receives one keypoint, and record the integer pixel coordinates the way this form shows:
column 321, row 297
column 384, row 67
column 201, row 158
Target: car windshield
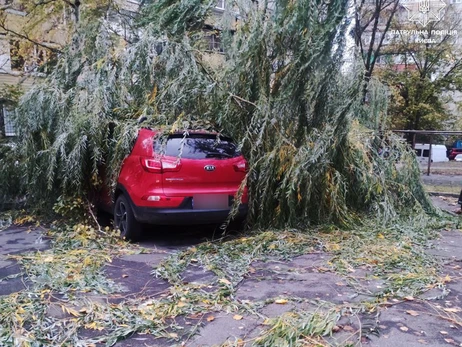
column 197, row 146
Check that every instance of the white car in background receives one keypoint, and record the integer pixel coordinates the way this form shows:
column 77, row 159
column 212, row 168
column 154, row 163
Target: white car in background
column 422, row 151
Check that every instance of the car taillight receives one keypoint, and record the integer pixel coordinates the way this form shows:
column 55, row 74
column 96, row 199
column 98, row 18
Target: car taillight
column 151, row 165
column 160, row 166
column 241, row 166
column 171, row 165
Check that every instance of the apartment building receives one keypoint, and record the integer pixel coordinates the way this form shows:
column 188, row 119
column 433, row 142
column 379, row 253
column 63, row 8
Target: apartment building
column 25, row 56
column 419, row 31
column 15, row 68
column 25, row 59
column 417, row 22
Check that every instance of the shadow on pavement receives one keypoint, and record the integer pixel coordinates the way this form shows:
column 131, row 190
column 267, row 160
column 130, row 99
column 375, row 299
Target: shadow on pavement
column 174, row 237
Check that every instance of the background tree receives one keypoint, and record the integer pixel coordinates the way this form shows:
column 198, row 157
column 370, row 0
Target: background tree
column 424, row 73
column 372, row 22
column 48, row 26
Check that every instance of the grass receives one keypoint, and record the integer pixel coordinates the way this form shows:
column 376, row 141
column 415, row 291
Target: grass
column 432, row 188
column 443, row 168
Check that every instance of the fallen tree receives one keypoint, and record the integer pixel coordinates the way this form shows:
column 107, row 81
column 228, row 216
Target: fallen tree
column 314, row 154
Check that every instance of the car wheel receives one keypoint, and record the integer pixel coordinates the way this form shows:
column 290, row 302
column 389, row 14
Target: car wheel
column 124, row 220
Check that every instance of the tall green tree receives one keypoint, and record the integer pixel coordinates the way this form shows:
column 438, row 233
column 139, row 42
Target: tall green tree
column 372, row 23
column 416, row 102
column 279, row 91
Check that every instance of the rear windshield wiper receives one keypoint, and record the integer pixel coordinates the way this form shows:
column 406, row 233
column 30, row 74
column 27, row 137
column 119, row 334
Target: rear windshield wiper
column 218, row 155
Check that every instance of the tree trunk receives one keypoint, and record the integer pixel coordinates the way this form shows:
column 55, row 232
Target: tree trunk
column 76, row 10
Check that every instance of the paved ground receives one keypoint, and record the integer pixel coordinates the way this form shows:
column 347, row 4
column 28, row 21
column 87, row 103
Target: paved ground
column 443, row 180
column 443, row 168
column 12, row 241
column 445, row 174
column 432, row 319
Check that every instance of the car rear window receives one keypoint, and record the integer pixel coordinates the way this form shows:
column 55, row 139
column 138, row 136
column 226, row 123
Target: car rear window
column 197, row 146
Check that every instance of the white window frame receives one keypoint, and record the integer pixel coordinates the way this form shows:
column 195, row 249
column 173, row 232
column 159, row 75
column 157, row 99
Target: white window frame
column 8, row 123
column 220, row 4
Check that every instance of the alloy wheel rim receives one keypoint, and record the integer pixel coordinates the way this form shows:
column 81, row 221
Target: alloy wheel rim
column 121, row 218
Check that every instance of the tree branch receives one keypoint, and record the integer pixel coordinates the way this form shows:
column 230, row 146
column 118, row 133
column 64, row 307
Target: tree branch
column 27, row 38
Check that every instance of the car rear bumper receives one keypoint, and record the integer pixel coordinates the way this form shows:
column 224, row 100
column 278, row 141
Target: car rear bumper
column 177, row 216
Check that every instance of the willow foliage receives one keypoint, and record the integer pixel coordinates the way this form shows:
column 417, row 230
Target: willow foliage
column 279, row 89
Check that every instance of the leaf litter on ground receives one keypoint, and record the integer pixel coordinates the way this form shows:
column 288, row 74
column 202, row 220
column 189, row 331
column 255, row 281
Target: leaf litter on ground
column 70, row 272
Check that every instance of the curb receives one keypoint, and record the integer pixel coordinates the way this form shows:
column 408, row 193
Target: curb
column 450, row 195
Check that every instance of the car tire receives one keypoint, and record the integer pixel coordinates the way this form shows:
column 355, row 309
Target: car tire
column 124, row 220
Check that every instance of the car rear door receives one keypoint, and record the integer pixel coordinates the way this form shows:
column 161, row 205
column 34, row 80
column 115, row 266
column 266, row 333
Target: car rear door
column 203, row 166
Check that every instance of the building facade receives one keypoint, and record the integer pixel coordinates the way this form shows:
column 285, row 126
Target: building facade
column 26, row 51
column 26, row 56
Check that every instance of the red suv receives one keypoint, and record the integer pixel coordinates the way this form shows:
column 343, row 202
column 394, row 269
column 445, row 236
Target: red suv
column 453, row 152
column 182, row 180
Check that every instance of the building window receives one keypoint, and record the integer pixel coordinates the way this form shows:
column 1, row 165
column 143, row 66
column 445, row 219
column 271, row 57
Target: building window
column 29, row 58
column 11, row 5
column 220, row 4
column 16, row 57
column 8, row 126
column 214, row 42
column 5, row 64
